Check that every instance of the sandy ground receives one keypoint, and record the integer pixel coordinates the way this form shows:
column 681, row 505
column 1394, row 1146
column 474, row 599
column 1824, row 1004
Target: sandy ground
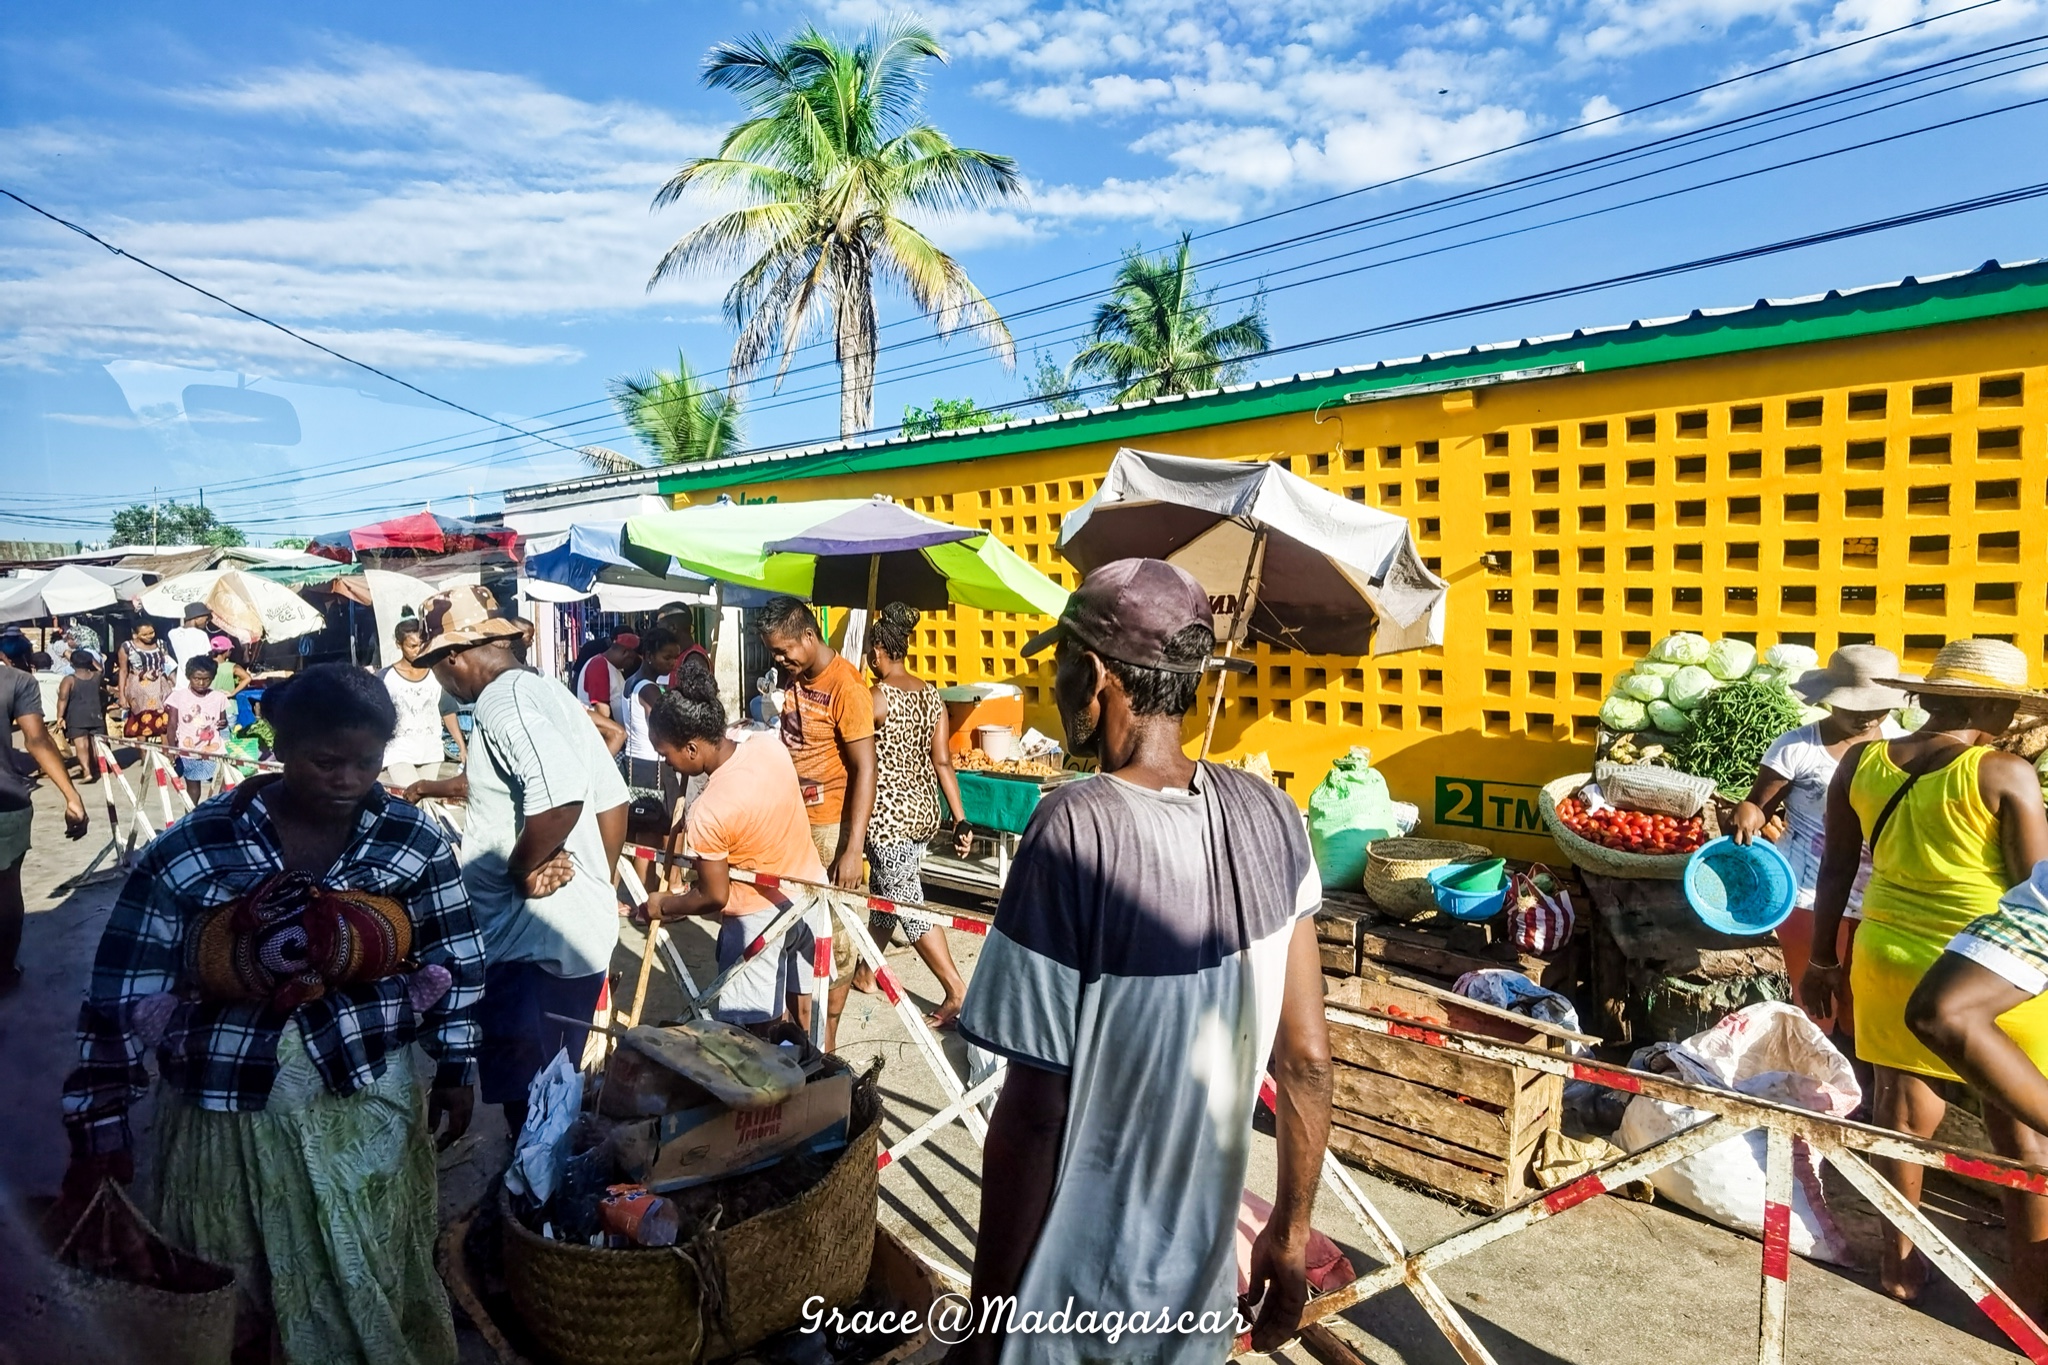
column 1610, row 1283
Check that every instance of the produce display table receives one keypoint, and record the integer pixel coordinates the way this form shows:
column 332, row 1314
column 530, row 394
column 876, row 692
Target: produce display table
column 1659, row 974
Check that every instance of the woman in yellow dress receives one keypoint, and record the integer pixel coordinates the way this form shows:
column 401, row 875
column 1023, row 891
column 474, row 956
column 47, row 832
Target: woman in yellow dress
column 1952, row 825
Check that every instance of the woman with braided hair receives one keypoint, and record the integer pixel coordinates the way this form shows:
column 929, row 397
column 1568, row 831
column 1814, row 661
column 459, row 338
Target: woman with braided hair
column 913, row 767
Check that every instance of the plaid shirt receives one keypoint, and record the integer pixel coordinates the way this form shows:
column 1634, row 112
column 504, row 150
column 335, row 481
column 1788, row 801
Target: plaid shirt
column 223, row 1056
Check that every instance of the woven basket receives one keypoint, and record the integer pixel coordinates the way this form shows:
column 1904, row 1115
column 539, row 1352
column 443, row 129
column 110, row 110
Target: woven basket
column 593, row 1306
column 1592, row 857
column 104, row 1317
column 1397, row 871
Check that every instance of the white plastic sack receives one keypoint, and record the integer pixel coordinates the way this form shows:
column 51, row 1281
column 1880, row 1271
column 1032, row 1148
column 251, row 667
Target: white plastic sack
column 1770, row 1051
column 553, row 1100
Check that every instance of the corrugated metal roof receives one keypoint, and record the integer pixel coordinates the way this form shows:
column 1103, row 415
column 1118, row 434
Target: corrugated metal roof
column 1992, row 289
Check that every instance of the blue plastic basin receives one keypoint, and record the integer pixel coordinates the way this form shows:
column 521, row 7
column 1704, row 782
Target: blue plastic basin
column 1465, row 905
column 1740, row 889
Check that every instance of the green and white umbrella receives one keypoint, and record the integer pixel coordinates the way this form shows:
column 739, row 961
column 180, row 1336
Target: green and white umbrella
column 843, row 552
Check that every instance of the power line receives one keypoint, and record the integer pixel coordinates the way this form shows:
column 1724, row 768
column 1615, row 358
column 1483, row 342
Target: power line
column 267, row 322
column 258, row 482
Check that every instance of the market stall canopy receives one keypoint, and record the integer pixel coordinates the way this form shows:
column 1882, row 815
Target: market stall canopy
column 66, row 591
column 845, row 553
column 593, row 552
column 293, row 568
column 425, row 532
column 246, row 607
column 1287, row 562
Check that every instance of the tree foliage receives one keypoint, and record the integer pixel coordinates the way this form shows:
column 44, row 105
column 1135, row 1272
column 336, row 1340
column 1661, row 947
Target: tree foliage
column 1050, row 385
column 951, row 414
column 834, row 152
column 172, row 523
column 677, row 415
column 1157, row 333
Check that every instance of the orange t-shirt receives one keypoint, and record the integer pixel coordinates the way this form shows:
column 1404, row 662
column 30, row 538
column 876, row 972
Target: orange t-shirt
column 816, row 715
column 751, row 815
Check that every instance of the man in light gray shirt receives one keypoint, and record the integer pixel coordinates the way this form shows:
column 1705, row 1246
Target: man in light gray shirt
column 533, row 857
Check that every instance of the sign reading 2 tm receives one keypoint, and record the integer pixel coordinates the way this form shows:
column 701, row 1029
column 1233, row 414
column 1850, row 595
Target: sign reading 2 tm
column 1476, row 803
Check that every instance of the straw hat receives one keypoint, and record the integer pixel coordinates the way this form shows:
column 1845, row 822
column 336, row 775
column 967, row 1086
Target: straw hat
column 1850, row 681
column 1976, row 668
column 459, row 618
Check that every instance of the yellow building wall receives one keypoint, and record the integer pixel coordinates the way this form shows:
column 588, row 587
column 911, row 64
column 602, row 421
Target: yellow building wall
column 1888, row 489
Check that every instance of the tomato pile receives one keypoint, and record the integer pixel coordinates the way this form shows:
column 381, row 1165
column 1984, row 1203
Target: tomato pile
column 1632, row 831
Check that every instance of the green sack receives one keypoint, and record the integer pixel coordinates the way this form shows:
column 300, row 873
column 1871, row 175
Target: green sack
column 244, row 752
column 1348, row 810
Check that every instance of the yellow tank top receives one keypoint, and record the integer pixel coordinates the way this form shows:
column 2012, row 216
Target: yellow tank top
column 1939, row 863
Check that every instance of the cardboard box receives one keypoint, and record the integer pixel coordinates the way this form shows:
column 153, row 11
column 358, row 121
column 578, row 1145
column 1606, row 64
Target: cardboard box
column 710, row 1142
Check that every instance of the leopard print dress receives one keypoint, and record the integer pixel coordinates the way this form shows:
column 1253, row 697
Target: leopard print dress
column 907, row 810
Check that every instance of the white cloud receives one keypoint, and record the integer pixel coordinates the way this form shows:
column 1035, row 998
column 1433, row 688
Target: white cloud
column 438, row 193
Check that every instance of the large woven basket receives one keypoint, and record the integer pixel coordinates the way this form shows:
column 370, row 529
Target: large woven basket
column 1397, row 871
column 727, row 1290
column 1592, row 857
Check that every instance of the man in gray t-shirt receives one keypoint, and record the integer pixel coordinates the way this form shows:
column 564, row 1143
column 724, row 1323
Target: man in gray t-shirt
column 533, row 857
column 1154, row 945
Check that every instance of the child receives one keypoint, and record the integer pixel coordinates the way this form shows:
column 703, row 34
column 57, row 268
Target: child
column 82, row 710
column 198, row 722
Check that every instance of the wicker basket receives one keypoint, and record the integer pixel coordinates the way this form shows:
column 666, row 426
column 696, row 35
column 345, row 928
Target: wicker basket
column 1592, row 857
column 1397, row 871
column 592, row 1306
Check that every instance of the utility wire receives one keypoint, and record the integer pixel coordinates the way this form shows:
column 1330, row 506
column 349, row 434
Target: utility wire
column 1576, row 168
column 268, row 322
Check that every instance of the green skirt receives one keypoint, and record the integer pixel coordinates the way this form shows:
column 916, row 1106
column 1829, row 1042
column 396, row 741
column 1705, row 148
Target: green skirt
column 325, row 1207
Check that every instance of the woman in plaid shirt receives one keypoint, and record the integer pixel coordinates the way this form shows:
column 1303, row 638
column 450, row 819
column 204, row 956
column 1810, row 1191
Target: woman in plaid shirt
column 281, row 950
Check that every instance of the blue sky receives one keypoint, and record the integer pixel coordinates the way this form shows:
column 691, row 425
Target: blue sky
column 459, row 194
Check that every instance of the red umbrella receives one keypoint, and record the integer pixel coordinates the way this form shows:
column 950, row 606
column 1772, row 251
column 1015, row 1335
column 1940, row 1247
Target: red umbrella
column 426, row 532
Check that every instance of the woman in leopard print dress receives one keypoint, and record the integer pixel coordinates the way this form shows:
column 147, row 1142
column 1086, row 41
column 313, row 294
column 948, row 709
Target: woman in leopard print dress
column 913, row 767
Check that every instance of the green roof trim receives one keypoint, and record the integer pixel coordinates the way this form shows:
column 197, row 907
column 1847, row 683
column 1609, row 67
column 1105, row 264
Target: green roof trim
column 1991, row 290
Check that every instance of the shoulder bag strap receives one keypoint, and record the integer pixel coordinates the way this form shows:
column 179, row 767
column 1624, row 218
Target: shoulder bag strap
column 1884, row 816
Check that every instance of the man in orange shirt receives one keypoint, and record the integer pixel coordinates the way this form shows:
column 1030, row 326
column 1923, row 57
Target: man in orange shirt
column 828, row 723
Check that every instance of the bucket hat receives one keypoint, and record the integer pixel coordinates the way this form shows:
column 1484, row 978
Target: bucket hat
column 1977, row 668
column 1850, row 682
column 459, row 618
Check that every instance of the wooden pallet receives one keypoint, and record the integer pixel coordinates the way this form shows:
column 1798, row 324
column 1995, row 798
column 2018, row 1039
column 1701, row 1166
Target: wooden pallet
column 1462, row 1126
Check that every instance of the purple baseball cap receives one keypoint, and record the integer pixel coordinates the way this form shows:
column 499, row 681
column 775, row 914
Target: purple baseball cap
column 1128, row 610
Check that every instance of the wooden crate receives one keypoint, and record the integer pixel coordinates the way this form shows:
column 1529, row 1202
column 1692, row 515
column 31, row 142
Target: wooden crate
column 1462, row 1126
column 1354, row 936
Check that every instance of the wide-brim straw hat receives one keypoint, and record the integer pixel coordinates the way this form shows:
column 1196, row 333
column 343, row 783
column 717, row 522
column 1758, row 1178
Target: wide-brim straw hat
column 1850, row 682
column 1989, row 669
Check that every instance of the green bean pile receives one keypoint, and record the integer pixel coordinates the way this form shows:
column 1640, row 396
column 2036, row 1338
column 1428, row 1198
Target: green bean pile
column 1732, row 728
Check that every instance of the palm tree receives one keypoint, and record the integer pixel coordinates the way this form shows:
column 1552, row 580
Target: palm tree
column 1156, row 333
column 677, row 416
column 833, row 153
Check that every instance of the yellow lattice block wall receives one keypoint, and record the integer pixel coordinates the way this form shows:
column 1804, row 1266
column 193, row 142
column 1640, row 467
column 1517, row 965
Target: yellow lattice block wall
column 1887, row 488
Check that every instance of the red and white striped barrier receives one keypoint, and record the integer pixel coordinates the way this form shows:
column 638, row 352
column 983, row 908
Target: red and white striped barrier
column 1841, row 1143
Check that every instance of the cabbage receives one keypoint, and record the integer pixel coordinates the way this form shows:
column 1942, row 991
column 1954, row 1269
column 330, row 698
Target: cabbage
column 1760, row 674
column 1682, row 648
column 1689, row 687
column 1791, row 660
column 1639, row 687
column 1654, row 668
column 1910, row 717
column 1669, row 718
column 1730, row 659
column 1620, row 714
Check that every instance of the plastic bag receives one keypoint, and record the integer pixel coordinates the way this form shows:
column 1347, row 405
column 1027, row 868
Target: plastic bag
column 552, row 1102
column 1517, row 994
column 1770, row 1051
column 1348, row 810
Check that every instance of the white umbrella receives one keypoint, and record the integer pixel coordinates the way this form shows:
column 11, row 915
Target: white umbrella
column 65, row 591
column 243, row 605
